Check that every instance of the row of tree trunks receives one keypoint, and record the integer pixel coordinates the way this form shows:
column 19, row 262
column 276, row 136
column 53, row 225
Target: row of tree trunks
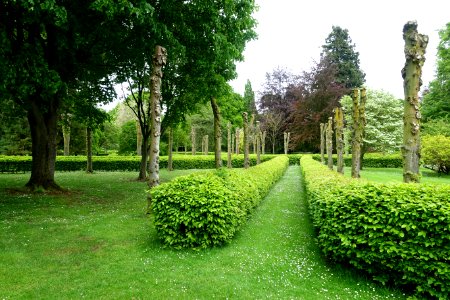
column 159, row 60
column 415, row 46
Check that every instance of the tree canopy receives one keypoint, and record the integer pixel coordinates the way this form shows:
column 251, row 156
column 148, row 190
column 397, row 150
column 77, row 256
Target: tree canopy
column 340, row 50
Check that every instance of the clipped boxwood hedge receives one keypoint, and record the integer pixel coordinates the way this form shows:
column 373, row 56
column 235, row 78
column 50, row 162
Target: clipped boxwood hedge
column 399, row 233
column 371, row 160
column 20, row 164
column 206, row 209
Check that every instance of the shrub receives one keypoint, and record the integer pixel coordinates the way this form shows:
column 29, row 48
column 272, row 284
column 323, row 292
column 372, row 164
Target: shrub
column 436, row 152
column 207, row 209
column 399, row 233
column 372, row 160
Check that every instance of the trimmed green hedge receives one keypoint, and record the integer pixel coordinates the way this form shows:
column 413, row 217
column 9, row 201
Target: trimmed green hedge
column 19, row 164
column 399, row 233
column 206, row 209
column 371, row 160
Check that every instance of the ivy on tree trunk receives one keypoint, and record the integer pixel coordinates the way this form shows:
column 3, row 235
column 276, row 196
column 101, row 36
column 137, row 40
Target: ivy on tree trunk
column 159, row 60
column 415, row 46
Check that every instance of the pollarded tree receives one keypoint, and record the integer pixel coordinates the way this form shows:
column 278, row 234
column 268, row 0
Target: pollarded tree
column 340, row 50
column 383, row 131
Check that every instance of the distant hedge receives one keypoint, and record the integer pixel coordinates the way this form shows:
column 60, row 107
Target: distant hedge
column 207, row 209
column 399, row 233
column 19, row 164
column 371, row 160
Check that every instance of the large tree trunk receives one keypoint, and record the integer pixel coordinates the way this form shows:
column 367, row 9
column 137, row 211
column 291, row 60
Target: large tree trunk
column 159, row 60
column 246, row 143
column 43, row 127
column 322, row 142
column 89, row 168
column 329, row 142
column 170, row 158
column 229, row 147
column 339, row 126
column 359, row 120
column 217, row 133
column 415, row 46
column 66, row 137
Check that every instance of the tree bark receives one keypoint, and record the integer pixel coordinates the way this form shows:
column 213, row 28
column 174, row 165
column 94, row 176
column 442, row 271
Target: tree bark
column 229, row 147
column 66, row 137
column 339, row 127
column 138, row 138
column 415, row 46
column 258, row 143
column 217, row 134
column 170, row 154
column 322, row 142
column 237, row 140
column 43, row 127
column 287, row 137
column 263, row 142
column 359, row 101
column 144, row 158
column 193, row 140
column 246, row 143
column 89, row 168
column 159, row 60
column 329, row 142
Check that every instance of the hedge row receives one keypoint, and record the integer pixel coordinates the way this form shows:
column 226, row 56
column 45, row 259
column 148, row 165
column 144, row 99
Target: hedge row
column 206, row 209
column 371, row 160
column 399, row 233
column 19, row 164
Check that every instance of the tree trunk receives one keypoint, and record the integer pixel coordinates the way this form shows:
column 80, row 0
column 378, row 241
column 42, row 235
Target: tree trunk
column 217, row 134
column 237, row 140
column 322, row 142
column 339, row 126
column 263, row 142
column 193, row 140
column 169, row 153
column 246, row 146
column 43, row 127
column 329, row 142
column 258, row 143
column 287, row 137
column 66, row 136
column 415, row 46
column 359, row 120
column 159, row 60
column 144, row 158
column 233, row 140
column 138, row 138
column 229, row 147
column 89, row 168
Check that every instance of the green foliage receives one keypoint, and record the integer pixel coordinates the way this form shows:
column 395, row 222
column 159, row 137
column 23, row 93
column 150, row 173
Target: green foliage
column 436, row 127
column 17, row 164
column 436, row 153
column 397, row 233
column 340, row 49
column 204, row 210
column 128, row 138
column 372, row 160
column 436, row 103
column 249, row 99
column 384, row 124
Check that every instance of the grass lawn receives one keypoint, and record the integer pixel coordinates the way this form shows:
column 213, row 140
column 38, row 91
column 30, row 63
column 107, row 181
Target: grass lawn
column 395, row 175
column 95, row 242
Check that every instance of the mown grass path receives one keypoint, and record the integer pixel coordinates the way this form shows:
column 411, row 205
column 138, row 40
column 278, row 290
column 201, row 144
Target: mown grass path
column 97, row 244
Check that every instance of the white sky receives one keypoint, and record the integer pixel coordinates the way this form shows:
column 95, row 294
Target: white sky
column 291, row 33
